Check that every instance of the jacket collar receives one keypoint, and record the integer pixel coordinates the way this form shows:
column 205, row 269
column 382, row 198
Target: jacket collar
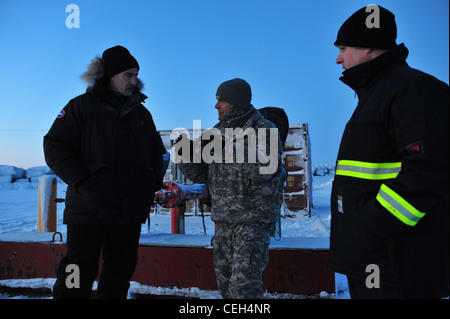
column 243, row 120
column 366, row 74
column 123, row 105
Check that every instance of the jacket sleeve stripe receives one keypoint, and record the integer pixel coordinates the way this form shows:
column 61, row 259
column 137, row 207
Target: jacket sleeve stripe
column 398, row 207
column 366, row 170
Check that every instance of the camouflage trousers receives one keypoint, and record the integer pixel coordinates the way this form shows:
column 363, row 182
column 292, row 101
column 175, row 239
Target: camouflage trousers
column 241, row 254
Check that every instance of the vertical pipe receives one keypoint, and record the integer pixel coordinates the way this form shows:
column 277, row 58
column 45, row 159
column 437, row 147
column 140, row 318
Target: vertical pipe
column 177, row 218
column 47, row 204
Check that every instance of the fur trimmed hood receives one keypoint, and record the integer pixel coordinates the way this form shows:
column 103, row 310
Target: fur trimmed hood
column 96, row 72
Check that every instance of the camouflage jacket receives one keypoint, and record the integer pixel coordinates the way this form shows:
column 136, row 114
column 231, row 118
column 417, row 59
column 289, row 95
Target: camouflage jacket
column 242, row 191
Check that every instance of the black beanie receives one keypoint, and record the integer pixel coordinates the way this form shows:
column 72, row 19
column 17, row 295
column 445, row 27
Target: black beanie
column 358, row 30
column 237, row 92
column 118, row 59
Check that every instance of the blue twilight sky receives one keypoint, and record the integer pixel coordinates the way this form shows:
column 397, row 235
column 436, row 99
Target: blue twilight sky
column 186, row 48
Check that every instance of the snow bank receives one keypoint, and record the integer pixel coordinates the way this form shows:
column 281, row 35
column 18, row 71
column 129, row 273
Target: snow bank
column 323, row 170
column 9, row 174
column 16, row 178
column 34, row 173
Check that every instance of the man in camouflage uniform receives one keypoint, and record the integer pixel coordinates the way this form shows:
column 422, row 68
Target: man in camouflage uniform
column 245, row 199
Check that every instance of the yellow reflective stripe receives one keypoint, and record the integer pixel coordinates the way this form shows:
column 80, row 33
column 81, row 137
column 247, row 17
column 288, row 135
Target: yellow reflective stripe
column 366, row 170
column 398, row 207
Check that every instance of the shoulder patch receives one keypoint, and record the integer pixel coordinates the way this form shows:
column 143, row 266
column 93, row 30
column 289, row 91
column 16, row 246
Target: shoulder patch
column 415, row 148
column 61, row 114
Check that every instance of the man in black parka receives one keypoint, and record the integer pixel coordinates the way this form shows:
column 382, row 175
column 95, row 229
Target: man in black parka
column 105, row 147
column 389, row 202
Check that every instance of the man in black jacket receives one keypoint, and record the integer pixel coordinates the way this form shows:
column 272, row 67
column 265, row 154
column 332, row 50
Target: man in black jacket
column 105, row 147
column 389, row 202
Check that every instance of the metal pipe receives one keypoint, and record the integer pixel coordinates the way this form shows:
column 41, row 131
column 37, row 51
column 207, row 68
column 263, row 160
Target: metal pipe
column 47, row 204
column 174, row 196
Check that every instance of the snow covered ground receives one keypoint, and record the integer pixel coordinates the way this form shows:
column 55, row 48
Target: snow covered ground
column 19, row 212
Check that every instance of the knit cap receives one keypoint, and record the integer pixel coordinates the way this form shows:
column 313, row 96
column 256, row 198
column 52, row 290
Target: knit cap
column 370, row 27
column 118, row 59
column 236, row 91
